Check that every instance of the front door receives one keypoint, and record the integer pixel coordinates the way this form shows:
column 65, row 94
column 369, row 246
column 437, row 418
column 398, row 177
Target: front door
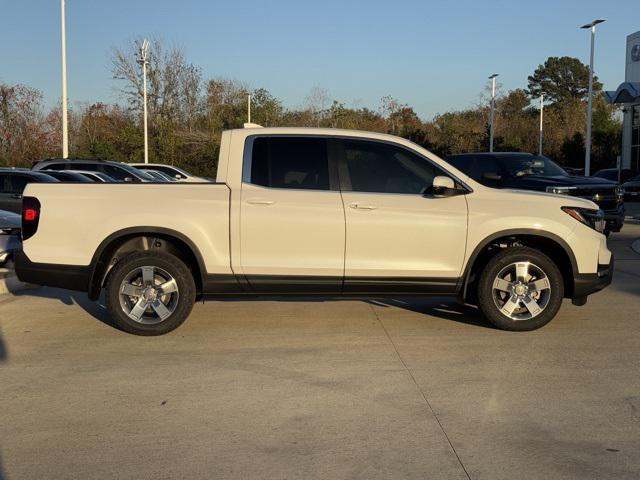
column 292, row 227
column 400, row 237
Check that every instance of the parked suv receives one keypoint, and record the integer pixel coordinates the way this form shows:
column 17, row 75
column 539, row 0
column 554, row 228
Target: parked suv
column 175, row 173
column 120, row 172
column 12, row 184
column 315, row 211
column 524, row 171
column 612, row 174
column 632, row 190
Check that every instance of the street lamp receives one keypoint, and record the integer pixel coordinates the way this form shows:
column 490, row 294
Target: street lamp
column 541, row 117
column 493, row 107
column 65, row 122
column 587, row 152
column 143, row 59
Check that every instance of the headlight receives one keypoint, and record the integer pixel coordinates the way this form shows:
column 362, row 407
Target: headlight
column 560, row 190
column 591, row 218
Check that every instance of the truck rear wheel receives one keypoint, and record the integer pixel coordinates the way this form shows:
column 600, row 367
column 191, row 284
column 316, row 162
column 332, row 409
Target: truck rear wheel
column 520, row 289
column 150, row 293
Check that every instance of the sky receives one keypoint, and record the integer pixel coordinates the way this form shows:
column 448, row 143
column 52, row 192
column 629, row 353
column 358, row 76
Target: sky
column 432, row 55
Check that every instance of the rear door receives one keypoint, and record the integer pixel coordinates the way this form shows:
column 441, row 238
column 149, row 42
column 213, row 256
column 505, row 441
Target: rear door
column 399, row 237
column 292, row 227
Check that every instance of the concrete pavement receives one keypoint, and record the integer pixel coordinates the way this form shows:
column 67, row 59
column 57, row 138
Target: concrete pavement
column 323, row 389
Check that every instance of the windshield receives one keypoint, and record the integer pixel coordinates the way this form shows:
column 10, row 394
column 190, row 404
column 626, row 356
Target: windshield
column 519, row 166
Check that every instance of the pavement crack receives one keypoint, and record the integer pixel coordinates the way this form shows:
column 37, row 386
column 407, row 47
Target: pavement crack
column 424, row 396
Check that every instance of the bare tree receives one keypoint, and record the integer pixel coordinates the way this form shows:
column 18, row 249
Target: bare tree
column 318, row 102
column 24, row 135
column 174, row 85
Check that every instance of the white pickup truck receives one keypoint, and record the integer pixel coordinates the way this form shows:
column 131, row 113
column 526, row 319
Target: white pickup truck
column 314, row 212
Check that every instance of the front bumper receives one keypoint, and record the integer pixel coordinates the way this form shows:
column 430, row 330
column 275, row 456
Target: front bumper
column 614, row 219
column 70, row 277
column 585, row 284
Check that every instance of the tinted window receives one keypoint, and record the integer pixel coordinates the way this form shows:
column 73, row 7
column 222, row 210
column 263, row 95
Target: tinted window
column 17, row 183
column 476, row 167
column 289, row 162
column 161, row 168
column 55, row 166
column 3, row 183
column 68, row 177
column 383, row 168
column 92, row 167
column 117, row 173
column 522, row 165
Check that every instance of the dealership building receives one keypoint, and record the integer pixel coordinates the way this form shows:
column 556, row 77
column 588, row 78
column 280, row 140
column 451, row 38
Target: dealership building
column 628, row 95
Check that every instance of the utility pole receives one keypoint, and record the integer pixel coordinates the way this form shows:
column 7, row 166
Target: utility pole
column 144, row 61
column 587, row 151
column 65, row 121
column 541, row 119
column 249, row 108
column 493, row 107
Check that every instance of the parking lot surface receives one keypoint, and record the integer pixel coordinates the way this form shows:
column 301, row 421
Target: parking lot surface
column 417, row 388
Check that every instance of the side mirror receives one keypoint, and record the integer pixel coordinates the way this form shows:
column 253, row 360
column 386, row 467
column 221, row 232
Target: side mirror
column 443, row 186
column 492, row 176
column 178, row 176
column 128, row 179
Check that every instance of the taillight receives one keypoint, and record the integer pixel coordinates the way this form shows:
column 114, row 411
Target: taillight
column 30, row 216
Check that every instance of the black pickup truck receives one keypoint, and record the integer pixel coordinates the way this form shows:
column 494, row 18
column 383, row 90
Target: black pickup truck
column 524, row 171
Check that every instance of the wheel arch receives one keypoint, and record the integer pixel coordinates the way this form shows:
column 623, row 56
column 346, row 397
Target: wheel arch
column 548, row 243
column 140, row 239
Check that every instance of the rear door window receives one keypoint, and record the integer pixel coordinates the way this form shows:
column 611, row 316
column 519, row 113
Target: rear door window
column 117, row 173
column 90, row 167
column 290, row 162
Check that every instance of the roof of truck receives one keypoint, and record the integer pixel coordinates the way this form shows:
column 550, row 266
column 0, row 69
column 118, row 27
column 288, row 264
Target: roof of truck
column 340, row 132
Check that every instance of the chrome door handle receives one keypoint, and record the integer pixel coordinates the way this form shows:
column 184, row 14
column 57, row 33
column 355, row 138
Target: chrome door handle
column 260, row 201
column 361, row 206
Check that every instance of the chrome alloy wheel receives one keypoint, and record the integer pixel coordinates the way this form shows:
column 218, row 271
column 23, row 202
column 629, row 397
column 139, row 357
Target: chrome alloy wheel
column 148, row 295
column 521, row 291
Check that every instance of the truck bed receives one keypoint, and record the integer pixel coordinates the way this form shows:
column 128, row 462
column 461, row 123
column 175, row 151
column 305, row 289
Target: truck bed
column 76, row 218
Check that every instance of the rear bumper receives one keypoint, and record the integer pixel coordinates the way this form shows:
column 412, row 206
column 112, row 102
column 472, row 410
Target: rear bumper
column 71, row 277
column 585, row 284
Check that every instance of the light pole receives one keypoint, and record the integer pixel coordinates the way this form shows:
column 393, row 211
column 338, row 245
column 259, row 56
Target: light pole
column 143, row 60
column 249, row 108
column 541, row 117
column 493, row 107
column 65, row 122
column 587, row 151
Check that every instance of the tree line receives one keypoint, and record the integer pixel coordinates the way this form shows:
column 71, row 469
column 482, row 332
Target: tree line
column 188, row 113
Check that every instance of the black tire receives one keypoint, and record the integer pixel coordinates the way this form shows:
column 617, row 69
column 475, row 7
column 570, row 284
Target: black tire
column 553, row 297
column 180, row 304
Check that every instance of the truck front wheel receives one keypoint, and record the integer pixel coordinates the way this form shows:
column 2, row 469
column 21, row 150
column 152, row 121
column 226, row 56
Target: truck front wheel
column 150, row 293
column 520, row 289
